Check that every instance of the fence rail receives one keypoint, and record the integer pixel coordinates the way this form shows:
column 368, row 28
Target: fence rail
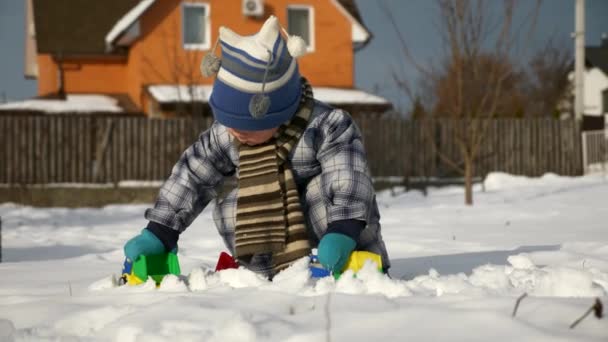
column 89, row 149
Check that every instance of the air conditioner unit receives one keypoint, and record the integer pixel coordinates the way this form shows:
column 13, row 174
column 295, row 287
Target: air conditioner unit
column 253, row 8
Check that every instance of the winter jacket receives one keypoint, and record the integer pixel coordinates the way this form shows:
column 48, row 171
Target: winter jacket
column 329, row 154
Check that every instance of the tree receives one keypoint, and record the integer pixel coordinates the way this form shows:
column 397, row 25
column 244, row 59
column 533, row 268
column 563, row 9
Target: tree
column 418, row 111
column 548, row 87
column 471, row 79
column 475, row 79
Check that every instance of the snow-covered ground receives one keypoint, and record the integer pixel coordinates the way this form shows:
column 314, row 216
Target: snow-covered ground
column 457, row 272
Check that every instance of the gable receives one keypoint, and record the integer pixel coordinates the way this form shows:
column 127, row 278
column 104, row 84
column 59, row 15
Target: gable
column 76, row 27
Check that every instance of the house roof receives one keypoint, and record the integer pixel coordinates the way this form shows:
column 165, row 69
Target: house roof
column 76, row 27
column 361, row 33
column 352, row 8
column 81, row 103
column 597, row 56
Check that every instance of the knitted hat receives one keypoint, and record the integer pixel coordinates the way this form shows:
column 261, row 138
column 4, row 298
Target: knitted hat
column 258, row 83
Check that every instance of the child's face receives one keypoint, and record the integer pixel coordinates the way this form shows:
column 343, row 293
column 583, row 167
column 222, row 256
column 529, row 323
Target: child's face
column 252, row 137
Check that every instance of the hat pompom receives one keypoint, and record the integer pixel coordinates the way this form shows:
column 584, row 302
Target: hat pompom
column 210, row 65
column 259, row 105
column 296, row 46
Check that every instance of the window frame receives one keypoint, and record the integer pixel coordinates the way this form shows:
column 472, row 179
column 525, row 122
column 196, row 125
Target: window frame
column 206, row 45
column 311, row 23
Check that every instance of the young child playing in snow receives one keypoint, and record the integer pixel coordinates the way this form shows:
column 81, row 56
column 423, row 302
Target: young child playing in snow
column 303, row 178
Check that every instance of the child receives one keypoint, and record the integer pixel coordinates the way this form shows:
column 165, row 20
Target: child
column 303, row 179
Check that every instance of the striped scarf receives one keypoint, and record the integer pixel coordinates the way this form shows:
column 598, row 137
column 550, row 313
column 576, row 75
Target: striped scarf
column 269, row 217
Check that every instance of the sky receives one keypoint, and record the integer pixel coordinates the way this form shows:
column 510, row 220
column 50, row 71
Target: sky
column 417, row 21
column 373, row 64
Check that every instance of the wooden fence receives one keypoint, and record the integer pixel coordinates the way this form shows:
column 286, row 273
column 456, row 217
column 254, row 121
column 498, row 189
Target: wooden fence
column 528, row 147
column 106, row 149
column 85, row 149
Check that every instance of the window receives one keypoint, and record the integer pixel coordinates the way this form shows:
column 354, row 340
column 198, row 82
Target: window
column 300, row 22
column 196, row 26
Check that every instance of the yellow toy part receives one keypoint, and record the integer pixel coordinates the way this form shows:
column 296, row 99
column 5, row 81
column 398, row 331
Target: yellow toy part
column 132, row 279
column 358, row 258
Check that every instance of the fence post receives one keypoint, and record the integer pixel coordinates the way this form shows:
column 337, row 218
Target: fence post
column 584, row 143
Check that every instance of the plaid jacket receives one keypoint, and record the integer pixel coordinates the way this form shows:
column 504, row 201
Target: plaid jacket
column 330, row 151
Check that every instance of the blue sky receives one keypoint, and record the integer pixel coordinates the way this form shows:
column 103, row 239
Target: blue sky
column 417, row 20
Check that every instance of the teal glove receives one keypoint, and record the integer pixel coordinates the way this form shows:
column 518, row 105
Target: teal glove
column 334, row 250
column 145, row 243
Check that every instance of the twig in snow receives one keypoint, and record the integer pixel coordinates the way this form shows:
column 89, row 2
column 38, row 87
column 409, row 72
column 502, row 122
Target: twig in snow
column 597, row 308
column 70, row 287
column 517, row 303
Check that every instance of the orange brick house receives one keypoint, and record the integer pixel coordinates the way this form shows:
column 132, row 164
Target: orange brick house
column 146, row 54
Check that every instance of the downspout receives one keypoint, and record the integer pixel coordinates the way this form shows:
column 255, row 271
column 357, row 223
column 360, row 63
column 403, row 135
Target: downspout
column 60, row 76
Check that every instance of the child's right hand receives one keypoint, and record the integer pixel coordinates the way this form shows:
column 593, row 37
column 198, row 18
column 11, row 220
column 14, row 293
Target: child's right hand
column 146, row 243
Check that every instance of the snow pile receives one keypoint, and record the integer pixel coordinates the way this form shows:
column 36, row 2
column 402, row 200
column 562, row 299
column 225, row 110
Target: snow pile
column 521, row 276
column 501, row 181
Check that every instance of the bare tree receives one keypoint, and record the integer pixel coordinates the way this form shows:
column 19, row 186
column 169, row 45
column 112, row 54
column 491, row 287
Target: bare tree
column 548, row 88
column 183, row 71
column 475, row 74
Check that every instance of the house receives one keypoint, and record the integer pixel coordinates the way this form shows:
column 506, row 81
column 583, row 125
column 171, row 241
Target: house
column 146, row 54
column 596, row 86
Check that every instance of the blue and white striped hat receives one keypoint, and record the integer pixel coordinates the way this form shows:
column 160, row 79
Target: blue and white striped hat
column 258, row 82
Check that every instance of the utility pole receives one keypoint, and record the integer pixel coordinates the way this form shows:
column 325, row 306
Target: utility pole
column 579, row 60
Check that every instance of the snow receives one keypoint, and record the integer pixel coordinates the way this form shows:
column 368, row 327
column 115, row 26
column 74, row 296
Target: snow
column 344, row 95
column 121, row 184
column 173, row 93
column 457, row 272
column 126, row 21
column 359, row 32
column 72, row 103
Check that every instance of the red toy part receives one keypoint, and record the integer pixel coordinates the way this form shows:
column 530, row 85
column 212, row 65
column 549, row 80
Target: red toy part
column 226, row 261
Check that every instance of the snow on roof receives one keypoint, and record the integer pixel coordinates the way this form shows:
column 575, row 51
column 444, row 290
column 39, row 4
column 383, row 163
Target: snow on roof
column 359, row 34
column 346, row 95
column 172, row 93
column 126, row 21
column 73, row 103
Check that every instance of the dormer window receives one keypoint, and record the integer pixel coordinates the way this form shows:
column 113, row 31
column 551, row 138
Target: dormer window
column 196, row 26
column 300, row 22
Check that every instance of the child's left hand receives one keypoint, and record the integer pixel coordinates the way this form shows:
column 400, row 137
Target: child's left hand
column 334, row 250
